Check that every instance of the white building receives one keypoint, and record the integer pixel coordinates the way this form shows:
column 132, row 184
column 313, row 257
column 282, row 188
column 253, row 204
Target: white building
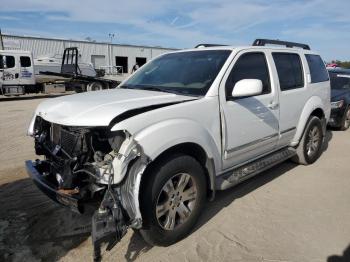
column 99, row 54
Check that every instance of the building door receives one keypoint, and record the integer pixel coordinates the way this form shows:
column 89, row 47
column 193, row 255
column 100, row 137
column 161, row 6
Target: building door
column 122, row 61
column 98, row 61
column 141, row 61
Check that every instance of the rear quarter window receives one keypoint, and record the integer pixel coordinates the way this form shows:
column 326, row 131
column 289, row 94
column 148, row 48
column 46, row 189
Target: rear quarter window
column 317, row 68
column 289, row 70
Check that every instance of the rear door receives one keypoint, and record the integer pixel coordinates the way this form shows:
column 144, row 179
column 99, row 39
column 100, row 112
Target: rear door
column 250, row 124
column 293, row 94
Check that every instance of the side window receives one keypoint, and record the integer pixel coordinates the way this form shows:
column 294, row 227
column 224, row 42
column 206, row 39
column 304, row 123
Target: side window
column 289, row 70
column 317, row 69
column 8, row 61
column 249, row 66
column 25, row 61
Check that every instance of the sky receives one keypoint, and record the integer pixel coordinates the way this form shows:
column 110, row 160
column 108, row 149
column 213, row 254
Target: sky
column 323, row 24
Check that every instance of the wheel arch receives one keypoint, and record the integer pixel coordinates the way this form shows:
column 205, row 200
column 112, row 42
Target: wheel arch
column 313, row 107
column 191, row 149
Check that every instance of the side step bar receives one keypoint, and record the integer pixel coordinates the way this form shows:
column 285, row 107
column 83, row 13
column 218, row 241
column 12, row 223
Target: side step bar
column 237, row 175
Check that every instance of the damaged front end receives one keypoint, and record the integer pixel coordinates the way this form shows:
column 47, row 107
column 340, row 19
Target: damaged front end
column 86, row 167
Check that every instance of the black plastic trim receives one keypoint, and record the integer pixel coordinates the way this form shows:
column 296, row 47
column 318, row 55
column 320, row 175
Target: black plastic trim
column 263, row 42
column 50, row 190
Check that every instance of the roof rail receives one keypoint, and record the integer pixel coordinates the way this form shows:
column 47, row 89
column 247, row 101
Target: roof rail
column 263, row 42
column 208, row 45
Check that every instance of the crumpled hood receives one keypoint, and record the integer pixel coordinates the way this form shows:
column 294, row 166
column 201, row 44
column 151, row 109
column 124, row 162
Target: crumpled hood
column 99, row 108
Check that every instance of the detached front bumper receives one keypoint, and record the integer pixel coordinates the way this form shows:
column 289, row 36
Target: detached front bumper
column 36, row 171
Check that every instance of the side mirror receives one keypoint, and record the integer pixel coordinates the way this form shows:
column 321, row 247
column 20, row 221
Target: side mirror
column 247, row 87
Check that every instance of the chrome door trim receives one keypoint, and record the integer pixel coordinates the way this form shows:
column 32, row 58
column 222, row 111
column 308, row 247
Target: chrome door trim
column 229, row 151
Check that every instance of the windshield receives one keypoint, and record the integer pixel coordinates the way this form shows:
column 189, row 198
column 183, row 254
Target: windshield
column 339, row 81
column 190, row 73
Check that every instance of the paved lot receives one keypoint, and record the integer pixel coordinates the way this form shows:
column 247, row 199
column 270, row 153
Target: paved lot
column 289, row 213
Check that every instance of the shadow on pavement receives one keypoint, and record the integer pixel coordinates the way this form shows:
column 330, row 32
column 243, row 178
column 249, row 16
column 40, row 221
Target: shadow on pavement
column 33, row 227
column 225, row 198
column 136, row 247
column 343, row 258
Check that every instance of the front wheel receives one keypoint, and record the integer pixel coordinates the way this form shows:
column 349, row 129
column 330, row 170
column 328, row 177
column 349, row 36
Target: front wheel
column 310, row 146
column 172, row 199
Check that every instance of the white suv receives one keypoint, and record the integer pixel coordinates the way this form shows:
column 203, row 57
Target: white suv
column 186, row 124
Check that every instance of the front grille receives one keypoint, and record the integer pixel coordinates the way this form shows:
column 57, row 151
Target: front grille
column 71, row 140
column 55, row 134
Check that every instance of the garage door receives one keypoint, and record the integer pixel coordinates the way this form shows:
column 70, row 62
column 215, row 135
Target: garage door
column 98, row 60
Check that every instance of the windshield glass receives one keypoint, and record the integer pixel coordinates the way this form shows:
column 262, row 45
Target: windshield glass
column 340, row 81
column 189, row 73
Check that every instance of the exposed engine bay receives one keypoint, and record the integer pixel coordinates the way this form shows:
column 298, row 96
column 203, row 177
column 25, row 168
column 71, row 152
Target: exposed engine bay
column 92, row 167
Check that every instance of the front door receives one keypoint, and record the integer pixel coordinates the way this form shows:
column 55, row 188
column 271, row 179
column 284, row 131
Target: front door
column 250, row 124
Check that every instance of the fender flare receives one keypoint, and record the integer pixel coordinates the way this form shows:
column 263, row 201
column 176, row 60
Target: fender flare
column 167, row 132
column 310, row 106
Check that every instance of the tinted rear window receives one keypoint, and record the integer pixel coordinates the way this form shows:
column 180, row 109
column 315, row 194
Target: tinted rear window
column 289, row 69
column 317, row 69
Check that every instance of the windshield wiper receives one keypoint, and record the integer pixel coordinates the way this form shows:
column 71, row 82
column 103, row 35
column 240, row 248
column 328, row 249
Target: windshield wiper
column 153, row 88
column 150, row 88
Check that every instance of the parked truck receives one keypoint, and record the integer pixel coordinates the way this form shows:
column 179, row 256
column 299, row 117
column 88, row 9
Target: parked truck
column 17, row 74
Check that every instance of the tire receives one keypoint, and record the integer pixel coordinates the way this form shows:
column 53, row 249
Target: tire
column 345, row 123
column 94, row 86
column 311, row 143
column 157, row 195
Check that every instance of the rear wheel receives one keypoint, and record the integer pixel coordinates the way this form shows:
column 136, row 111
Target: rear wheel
column 172, row 199
column 310, row 146
column 345, row 124
column 94, row 86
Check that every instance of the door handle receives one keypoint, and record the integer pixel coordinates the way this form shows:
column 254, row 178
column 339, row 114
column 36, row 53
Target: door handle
column 273, row 105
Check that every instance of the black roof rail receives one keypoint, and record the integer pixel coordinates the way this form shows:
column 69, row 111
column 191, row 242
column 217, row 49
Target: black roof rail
column 208, row 45
column 263, row 42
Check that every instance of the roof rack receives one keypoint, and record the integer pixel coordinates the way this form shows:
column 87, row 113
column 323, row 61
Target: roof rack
column 208, row 45
column 263, row 42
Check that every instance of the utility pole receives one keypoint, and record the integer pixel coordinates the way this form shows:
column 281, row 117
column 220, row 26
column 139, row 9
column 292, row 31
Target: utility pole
column 1, row 41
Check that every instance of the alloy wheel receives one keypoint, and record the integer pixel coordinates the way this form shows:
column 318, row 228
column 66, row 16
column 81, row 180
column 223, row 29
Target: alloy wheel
column 176, row 201
column 313, row 142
